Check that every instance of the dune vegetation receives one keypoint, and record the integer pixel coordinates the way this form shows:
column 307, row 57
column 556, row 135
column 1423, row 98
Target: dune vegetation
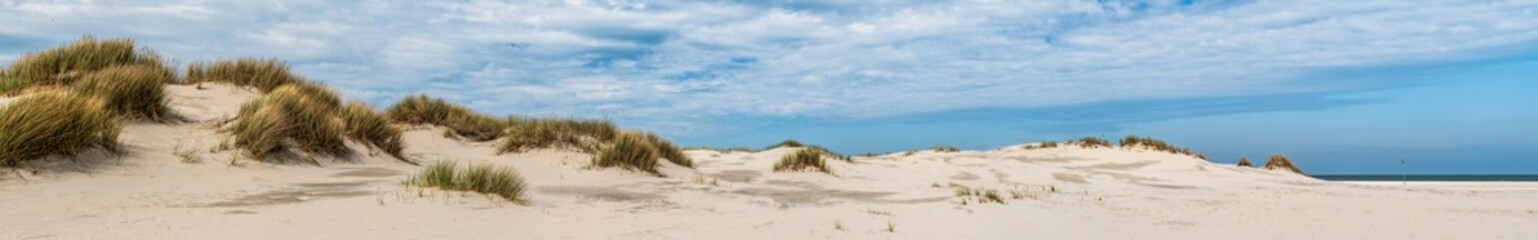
column 1089, row 142
column 1281, row 162
column 1158, row 145
column 63, row 65
column 367, row 126
column 535, row 133
column 951, row 148
column 1042, row 145
column 1244, row 162
column 461, row 122
column 262, row 74
column 630, row 150
column 55, row 122
column 502, row 182
column 133, row 91
column 803, row 160
column 296, row 116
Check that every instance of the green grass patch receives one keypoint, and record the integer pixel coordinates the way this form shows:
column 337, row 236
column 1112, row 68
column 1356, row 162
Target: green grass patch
column 55, row 122
column 487, row 179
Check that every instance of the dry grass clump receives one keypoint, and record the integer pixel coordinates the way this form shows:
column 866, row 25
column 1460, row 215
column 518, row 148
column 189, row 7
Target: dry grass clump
column 1089, row 142
column 805, row 159
column 54, row 122
column 951, row 148
column 977, row 195
column 630, row 150
column 1244, row 162
column 263, row 74
column 462, row 122
column 301, row 114
column 1281, row 162
column 667, row 150
column 498, row 181
column 135, row 91
column 62, row 65
column 1158, row 145
column 533, row 133
column 786, row 143
column 1042, row 145
column 365, row 125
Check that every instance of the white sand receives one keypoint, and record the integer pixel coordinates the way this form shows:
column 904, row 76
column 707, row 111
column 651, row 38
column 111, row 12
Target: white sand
column 1099, row 194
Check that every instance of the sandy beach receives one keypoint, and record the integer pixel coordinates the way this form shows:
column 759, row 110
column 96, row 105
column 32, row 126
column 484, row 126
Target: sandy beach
column 174, row 183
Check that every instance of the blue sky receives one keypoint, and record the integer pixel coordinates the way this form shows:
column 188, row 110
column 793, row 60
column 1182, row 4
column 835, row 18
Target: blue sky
column 1343, row 86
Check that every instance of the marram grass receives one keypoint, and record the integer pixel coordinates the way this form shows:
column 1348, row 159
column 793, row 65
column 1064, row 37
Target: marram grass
column 365, row 125
column 630, row 150
column 263, row 74
column 497, row 181
column 803, row 160
column 461, row 122
column 54, row 122
column 1281, row 162
column 533, row 133
column 303, row 115
column 667, row 150
column 62, row 65
column 135, row 91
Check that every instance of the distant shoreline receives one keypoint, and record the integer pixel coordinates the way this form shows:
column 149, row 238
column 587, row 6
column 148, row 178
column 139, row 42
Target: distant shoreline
column 1430, row 177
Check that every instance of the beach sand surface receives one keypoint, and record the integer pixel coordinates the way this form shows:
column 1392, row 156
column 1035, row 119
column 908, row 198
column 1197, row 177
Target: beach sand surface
column 175, row 182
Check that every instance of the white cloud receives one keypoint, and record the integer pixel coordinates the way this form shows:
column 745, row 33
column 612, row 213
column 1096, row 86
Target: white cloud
column 682, row 64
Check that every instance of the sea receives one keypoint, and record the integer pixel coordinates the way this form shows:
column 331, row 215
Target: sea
column 1431, row 177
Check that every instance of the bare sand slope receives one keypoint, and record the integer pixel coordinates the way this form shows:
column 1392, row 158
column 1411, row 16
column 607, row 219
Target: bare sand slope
column 171, row 185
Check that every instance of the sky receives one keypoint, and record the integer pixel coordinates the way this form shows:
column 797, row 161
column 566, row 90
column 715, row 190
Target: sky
column 1341, row 86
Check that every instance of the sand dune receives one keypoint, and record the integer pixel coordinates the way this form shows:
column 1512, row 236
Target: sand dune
column 176, row 183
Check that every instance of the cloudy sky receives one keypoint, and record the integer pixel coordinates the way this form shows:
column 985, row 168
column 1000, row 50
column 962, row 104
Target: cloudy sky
column 1343, row 86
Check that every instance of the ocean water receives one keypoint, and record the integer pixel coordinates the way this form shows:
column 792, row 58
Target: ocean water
column 1433, row 178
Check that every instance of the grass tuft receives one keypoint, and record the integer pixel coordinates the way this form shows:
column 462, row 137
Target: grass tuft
column 667, row 150
column 951, row 148
column 135, row 91
column 630, row 150
column 803, row 160
column 497, row 181
column 54, row 122
column 365, row 125
column 462, row 122
column 62, row 65
column 1244, row 162
column 263, row 74
column 786, row 143
column 1089, row 142
column 1042, row 145
column 1158, row 145
column 1282, row 162
column 534, row 133
column 304, row 114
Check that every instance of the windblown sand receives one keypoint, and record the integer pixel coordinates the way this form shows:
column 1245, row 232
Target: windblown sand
column 154, row 192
